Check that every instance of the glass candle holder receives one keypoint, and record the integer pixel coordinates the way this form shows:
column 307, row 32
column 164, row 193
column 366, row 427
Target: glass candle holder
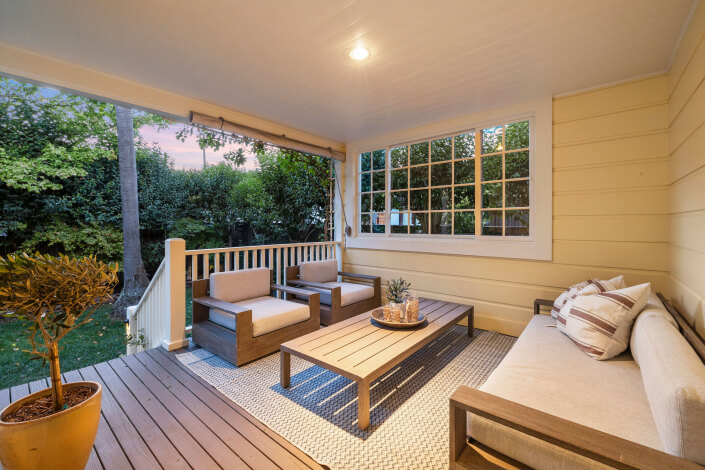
column 412, row 308
column 387, row 309
column 395, row 311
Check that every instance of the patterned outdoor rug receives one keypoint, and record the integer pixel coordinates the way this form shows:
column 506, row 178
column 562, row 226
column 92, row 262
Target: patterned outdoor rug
column 409, row 405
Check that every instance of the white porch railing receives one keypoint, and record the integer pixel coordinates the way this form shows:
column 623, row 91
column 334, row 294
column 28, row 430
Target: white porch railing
column 160, row 316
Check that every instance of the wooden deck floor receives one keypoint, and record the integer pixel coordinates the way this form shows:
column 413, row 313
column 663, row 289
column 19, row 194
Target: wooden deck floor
column 158, row 414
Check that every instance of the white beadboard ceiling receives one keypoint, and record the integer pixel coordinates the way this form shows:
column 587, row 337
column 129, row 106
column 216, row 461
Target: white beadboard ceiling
column 286, row 60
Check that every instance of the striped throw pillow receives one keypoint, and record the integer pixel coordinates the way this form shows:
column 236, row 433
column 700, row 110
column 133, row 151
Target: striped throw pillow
column 601, row 323
column 602, row 286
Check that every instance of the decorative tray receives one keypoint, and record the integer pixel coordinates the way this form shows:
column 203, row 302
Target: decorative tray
column 378, row 316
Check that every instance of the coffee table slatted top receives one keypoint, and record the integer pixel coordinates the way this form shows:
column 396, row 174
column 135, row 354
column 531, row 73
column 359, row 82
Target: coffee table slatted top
column 360, row 349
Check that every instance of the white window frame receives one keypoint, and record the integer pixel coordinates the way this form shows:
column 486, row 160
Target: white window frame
column 538, row 245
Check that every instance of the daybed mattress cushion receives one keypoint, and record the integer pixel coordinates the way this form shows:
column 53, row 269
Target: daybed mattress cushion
column 674, row 379
column 546, row 371
column 233, row 286
column 268, row 314
column 319, row 271
column 349, row 293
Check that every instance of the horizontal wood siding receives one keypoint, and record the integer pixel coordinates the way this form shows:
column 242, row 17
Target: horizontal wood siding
column 610, row 204
column 686, row 112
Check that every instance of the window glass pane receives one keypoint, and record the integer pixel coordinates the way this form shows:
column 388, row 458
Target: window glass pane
column 400, row 200
column 517, row 194
column 400, row 179
column 464, row 223
column 441, row 150
column 365, row 202
column 440, row 199
column 492, row 195
column 419, row 223
column 365, row 223
column 400, row 157
column 418, row 200
column 378, row 202
column 465, row 197
column 379, row 160
column 517, row 223
column 377, row 223
column 516, row 165
column 465, row 171
column 419, row 153
column 378, row 181
column 492, row 222
column 441, row 223
column 419, row 177
column 440, row 174
column 399, row 222
column 492, row 168
column 365, row 161
column 365, row 182
column 517, row 135
column 464, row 146
column 492, row 139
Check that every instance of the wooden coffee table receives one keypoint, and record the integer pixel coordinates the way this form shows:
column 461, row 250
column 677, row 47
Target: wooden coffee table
column 362, row 350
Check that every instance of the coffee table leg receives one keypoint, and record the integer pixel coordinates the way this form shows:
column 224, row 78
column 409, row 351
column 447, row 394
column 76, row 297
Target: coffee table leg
column 471, row 322
column 285, row 369
column 363, row 404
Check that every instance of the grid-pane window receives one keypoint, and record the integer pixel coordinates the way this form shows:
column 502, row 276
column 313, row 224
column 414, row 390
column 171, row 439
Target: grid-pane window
column 470, row 183
column 373, row 187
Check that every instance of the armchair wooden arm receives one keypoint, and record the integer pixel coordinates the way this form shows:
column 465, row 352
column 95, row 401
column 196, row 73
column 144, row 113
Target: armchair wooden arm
column 359, row 276
column 538, row 303
column 317, row 285
column 294, row 290
column 211, row 302
column 582, row 440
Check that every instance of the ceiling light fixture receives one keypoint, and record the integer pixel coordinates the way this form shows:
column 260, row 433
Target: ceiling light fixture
column 359, row 53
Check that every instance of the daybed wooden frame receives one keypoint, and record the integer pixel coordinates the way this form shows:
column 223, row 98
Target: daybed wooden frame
column 335, row 312
column 596, row 445
column 240, row 347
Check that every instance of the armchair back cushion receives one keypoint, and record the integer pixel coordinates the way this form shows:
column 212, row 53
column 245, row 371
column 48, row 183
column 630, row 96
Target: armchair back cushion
column 234, row 286
column 319, row 271
column 674, row 380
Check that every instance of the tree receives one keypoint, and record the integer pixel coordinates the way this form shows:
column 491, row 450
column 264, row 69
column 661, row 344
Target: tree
column 135, row 280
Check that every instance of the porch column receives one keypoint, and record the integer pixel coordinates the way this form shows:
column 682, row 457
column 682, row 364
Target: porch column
column 175, row 301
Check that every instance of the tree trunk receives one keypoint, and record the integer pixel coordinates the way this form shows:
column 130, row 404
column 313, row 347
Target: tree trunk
column 135, row 277
column 57, row 389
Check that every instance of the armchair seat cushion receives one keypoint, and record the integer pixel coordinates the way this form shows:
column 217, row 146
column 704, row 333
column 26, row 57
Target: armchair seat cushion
column 268, row 314
column 350, row 293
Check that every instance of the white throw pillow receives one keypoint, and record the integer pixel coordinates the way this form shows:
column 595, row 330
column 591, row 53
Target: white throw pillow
column 602, row 286
column 601, row 323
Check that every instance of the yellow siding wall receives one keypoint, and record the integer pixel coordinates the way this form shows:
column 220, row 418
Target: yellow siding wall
column 686, row 114
column 610, row 208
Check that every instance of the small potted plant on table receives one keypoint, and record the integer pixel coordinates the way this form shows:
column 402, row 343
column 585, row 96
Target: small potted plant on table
column 397, row 290
column 56, row 427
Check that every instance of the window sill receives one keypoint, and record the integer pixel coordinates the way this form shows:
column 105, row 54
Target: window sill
column 500, row 248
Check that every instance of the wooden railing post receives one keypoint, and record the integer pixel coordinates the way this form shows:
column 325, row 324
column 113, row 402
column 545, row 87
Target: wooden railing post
column 175, row 272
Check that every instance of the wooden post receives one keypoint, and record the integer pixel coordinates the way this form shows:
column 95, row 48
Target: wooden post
column 175, row 272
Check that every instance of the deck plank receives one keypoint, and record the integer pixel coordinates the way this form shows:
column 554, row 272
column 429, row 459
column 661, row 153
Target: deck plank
column 126, row 436
column 229, row 434
column 156, row 413
column 208, row 440
column 280, row 451
column 170, row 428
column 106, row 447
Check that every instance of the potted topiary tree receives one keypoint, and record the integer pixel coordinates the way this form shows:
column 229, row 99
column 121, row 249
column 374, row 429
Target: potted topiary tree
column 54, row 428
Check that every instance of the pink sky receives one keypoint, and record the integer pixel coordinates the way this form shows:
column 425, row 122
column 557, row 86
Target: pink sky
column 187, row 155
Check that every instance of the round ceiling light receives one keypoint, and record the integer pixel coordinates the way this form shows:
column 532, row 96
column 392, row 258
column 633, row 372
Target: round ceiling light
column 360, row 53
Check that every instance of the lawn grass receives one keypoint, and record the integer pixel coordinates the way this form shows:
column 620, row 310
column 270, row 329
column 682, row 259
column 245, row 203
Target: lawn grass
column 100, row 340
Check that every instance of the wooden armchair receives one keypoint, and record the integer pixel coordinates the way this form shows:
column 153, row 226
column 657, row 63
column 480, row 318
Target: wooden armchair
column 339, row 300
column 235, row 317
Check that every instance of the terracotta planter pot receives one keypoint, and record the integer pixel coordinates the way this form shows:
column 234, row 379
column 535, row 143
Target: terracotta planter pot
column 59, row 441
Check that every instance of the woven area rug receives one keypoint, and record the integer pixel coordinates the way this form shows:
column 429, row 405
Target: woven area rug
column 318, row 413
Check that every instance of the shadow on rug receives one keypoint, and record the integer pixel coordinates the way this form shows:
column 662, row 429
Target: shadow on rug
column 318, row 413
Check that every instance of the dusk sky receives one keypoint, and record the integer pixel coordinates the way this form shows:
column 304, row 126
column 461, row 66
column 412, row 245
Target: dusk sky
column 187, row 155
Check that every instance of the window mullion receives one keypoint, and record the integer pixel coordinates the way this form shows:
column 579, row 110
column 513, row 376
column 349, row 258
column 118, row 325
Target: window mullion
column 478, row 183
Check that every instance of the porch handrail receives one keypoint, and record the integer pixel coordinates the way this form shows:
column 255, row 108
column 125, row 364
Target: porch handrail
column 160, row 316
